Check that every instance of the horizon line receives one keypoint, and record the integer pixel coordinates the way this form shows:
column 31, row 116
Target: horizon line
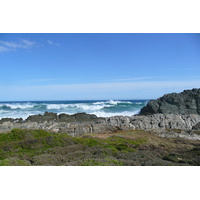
column 75, row 100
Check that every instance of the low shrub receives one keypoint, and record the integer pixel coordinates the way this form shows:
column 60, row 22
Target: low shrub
column 14, row 162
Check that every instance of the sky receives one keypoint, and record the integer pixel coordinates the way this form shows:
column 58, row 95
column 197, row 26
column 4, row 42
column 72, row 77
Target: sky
column 85, row 66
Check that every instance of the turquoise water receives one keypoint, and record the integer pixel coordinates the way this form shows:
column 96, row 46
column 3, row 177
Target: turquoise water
column 101, row 108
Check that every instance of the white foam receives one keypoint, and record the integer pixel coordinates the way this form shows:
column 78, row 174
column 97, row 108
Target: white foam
column 16, row 114
column 113, row 102
column 99, row 103
column 80, row 106
column 109, row 102
column 57, row 106
column 104, row 114
column 116, row 102
column 18, row 105
column 91, row 107
column 23, row 110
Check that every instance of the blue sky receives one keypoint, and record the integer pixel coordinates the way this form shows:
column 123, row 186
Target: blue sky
column 97, row 66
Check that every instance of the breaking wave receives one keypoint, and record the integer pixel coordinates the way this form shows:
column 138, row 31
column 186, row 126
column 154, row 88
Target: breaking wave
column 100, row 108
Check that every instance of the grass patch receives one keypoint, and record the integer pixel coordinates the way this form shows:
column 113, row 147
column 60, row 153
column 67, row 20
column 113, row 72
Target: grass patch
column 114, row 143
column 89, row 141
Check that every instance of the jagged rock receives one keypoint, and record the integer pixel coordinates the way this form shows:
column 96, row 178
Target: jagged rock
column 42, row 118
column 66, row 118
column 82, row 117
column 186, row 102
column 93, row 124
column 35, row 118
column 6, row 120
column 50, row 116
column 196, row 127
column 18, row 120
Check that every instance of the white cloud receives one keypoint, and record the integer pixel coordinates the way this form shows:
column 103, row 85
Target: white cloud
column 53, row 43
column 3, row 49
column 10, row 46
column 28, row 43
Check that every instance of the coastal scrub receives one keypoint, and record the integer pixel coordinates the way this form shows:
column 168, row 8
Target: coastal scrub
column 23, row 147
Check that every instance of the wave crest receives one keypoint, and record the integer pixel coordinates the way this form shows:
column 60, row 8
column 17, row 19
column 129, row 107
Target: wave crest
column 100, row 108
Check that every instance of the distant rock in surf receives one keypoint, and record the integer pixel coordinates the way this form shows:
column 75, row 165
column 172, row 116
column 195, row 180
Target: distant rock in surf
column 186, row 102
column 53, row 117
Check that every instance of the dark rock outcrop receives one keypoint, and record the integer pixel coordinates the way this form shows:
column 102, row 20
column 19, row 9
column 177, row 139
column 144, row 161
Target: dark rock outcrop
column 42, row 118
column 53, row 117
column 66, row 118
column 82, row 117
column 196, row 127
column 6, row 120
column 186, row 102
column 10, row 120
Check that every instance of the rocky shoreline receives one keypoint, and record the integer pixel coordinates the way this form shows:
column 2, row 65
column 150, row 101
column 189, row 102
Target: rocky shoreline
column 83, row 123
column 162, row 116
column 167, row 134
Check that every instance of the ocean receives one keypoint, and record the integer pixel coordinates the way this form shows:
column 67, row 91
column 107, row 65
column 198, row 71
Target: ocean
column 101, row 108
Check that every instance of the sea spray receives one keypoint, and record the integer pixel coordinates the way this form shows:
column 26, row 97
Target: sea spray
column 105, row 108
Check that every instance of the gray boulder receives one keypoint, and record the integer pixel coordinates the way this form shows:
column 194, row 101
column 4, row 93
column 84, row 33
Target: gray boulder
column 186, row 102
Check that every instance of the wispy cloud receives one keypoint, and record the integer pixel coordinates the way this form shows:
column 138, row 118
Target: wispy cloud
column 7, row 46
column 129, row 79
column 12, row 46
column 114, row 90
column 53, row 43
column 3, row 49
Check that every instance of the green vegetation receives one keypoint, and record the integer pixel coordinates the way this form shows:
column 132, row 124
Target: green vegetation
column 114, row 143
column 39, row 147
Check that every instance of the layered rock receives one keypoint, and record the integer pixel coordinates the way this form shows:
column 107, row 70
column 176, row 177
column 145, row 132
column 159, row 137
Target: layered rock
column 186, row 102
column 83, row 123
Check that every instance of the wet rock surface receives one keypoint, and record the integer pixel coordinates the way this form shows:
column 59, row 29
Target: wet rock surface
column 186, row 102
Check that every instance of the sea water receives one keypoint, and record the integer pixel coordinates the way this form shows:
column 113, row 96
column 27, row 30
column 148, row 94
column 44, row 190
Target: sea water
column 101, row 108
